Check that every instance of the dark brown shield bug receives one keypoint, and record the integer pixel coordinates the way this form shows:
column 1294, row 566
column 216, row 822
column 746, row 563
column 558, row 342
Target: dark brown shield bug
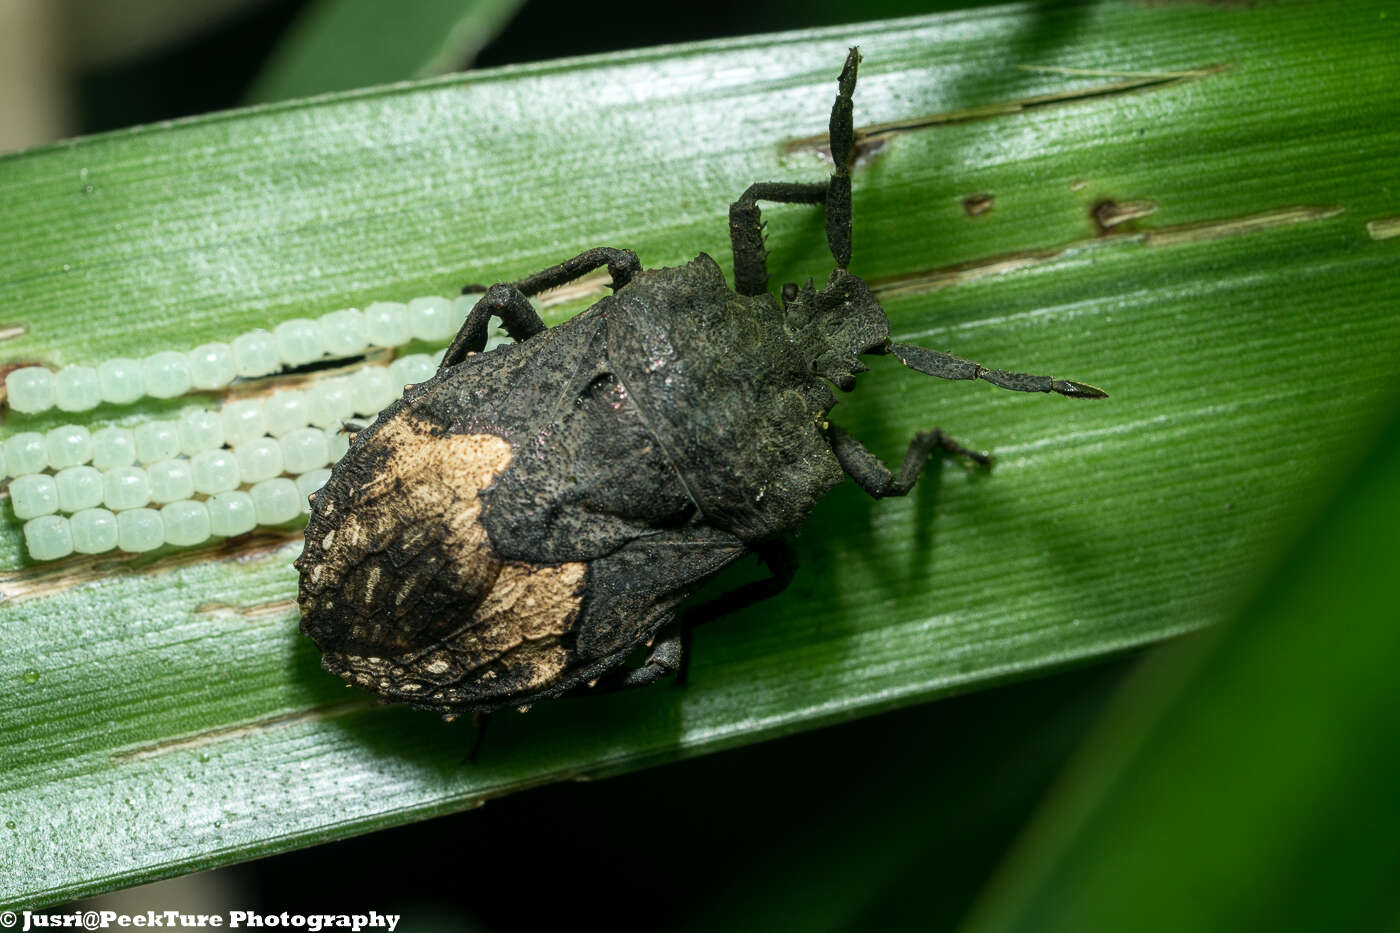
column 518, row 525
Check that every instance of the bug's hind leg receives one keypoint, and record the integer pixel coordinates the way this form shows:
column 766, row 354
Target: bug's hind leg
column 746, row 223
column 781, row 561
column 510, row 301
column 670, row 654
column 945, row 366
column 479, row 723
column 871, row 474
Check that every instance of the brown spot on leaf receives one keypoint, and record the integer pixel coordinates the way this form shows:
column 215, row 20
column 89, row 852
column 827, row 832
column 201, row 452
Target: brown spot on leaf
column 1108, row 213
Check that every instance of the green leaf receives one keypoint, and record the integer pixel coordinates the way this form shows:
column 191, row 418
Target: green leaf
column 1246, row 779
column 162, row 715
column 337, row 45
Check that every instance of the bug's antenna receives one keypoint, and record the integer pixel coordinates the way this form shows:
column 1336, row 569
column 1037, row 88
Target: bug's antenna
column 843, row 136
column 947, row 366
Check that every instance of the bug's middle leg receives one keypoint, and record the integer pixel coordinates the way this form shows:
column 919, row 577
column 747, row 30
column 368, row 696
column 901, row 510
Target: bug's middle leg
column 871, row 474
column 510, row 301
column 503, row 301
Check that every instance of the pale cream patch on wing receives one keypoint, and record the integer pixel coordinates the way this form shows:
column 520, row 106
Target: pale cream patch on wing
column 428, row 491
column 528, row 603
column 426, row 501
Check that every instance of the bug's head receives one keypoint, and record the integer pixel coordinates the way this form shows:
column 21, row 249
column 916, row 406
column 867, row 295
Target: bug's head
column 835, row 325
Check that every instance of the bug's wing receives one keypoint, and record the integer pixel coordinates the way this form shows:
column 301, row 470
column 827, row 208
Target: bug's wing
column 590, row 481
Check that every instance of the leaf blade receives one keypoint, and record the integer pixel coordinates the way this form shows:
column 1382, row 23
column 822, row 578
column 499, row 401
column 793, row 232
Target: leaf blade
column 1106, row 525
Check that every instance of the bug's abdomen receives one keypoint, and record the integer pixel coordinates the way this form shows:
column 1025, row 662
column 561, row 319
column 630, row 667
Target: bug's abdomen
column 402, row 590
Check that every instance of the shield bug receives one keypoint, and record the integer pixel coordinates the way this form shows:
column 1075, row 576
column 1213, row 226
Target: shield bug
column 519, row 524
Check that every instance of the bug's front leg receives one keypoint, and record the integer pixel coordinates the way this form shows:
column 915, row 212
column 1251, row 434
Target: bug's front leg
column 622, row 265
column 746, row 223
column 871, row 474
column 510, row 301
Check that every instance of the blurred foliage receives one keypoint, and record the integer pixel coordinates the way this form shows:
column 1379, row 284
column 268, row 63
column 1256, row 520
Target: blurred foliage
column 337, row 45
column 1246, row 780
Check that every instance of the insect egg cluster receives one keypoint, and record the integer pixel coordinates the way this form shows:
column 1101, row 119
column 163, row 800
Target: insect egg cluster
column 216, row 472
column 339, row 334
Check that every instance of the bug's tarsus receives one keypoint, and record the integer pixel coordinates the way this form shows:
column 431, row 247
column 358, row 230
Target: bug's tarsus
column 746, row 221
column 504, row 301
column 843, row 138
column 510, row 302
column 870, row 472
column 947, row 366
column 666, row 657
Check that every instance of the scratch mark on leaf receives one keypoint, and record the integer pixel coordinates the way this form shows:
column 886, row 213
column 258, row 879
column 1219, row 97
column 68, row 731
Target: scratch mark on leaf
column 1236, row 226
column 1132, row 83
column 1112, row 73
column 962, row 273
column 1383, row 228
column 945, row 276
column 276, row 607
column 1109, row 213
column 225, row 733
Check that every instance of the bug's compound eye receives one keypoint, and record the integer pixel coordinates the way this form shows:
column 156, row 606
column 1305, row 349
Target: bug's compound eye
column 789, row 292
